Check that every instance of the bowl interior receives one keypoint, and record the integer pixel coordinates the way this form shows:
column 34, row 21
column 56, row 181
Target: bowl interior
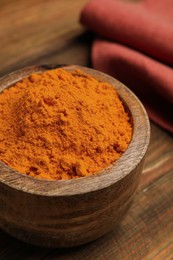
column 118, row 170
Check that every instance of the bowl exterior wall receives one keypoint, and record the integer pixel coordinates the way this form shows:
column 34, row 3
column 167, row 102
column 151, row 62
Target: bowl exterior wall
column 71, row 213
column 66, row 221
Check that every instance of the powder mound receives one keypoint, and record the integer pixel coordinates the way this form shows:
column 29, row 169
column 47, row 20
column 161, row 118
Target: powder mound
column 61, row 125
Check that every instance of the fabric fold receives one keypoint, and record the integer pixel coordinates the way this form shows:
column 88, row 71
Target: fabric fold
column 144, row 76
column 134, row 43
column 132, row 24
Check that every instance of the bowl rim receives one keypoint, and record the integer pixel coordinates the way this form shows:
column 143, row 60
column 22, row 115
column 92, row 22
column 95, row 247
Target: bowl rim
column 107, row 177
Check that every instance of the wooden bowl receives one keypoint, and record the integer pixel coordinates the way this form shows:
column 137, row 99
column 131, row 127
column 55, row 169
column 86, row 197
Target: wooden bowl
column 73, row 212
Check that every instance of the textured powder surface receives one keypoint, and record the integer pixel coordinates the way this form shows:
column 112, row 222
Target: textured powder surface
column 61, row 125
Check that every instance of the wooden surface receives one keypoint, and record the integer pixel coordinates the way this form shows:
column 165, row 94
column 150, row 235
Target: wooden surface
column 74, row 212
column 147, row 231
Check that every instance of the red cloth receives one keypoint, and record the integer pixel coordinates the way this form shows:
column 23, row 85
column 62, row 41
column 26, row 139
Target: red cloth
column 137, row 48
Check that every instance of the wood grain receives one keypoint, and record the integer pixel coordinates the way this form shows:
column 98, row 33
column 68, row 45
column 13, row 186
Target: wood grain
column 145, row 233
column 32, row 29
column 159, row 160
column 152, row 238
column 152, row 210
column 74, row 212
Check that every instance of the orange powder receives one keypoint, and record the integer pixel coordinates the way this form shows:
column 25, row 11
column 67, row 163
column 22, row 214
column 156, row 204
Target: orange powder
column 60, row 125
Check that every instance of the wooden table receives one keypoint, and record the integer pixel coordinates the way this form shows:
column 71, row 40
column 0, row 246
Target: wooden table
column 37, row 32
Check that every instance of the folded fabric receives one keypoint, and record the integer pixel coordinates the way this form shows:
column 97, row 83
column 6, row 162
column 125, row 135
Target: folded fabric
column 137, row 49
